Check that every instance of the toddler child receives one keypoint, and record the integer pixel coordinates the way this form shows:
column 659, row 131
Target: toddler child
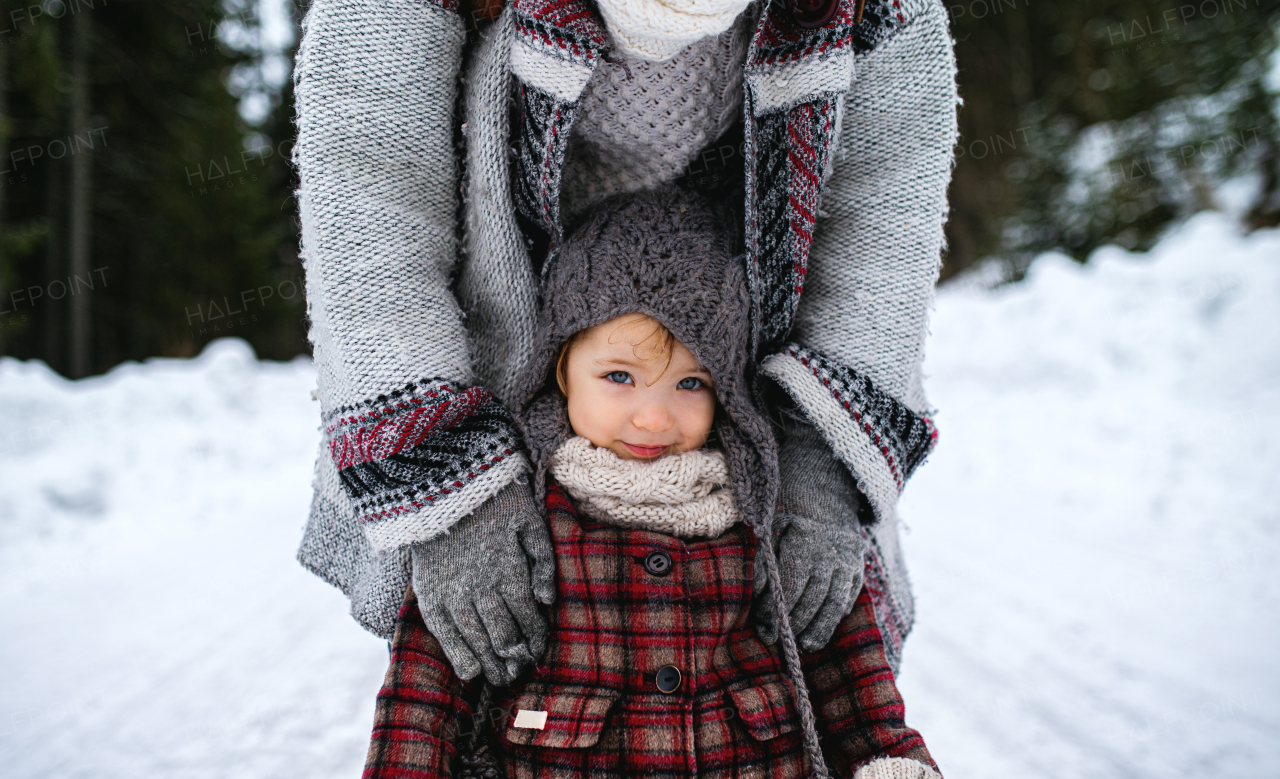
column 658, row 475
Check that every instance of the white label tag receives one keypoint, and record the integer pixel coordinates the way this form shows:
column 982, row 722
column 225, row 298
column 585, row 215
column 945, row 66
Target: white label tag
column 536, row 720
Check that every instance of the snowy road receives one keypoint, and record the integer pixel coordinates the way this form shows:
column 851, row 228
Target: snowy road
column 1092, row 544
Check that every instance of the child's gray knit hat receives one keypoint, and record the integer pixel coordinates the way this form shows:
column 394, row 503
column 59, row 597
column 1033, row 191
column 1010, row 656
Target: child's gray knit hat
column 671, row 255
column 667, row 254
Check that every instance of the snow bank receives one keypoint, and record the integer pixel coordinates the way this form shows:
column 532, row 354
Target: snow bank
column 155, row 622
column 1093, row 542
column 1090, row 544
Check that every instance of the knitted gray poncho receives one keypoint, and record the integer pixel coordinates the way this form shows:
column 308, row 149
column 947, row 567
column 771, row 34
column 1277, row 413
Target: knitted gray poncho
column 667, row 254
column 419, row 330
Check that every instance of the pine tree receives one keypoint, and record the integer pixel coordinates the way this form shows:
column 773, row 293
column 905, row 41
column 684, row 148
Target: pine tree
column 1094, row 122
column 137, row 201
column 191, row 233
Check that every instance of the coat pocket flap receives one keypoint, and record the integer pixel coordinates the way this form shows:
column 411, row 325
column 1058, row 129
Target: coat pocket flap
column 766, row 707
column 575, row 715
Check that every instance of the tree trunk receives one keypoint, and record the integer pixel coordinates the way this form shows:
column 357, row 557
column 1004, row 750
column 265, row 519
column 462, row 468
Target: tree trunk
column 81, row 198
column 4, row 193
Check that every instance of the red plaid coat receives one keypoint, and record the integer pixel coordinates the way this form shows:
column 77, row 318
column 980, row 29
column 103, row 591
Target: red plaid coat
column 614, row 626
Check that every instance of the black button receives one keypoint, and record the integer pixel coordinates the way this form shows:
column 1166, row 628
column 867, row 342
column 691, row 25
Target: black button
column 811, row 14
column 668, row 679
column 658, row 563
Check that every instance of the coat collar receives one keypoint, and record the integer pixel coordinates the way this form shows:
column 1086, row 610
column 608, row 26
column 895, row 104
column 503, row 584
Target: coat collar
column 559, row 42
column 557, row 46
column 796, row 79
column 788, row 65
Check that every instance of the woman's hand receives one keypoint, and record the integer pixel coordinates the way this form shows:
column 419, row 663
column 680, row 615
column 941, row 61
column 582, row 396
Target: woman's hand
column 479, row 586
column 817, row 539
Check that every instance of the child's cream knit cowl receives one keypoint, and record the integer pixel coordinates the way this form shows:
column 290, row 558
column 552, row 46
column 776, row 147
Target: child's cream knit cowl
column 657, row 30
column 684, row 495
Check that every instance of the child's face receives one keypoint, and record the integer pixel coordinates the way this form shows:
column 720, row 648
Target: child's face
column 628, row 403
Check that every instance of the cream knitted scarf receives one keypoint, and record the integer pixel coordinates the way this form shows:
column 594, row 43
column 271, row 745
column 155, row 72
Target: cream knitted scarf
column 657, row 30
column 684, row 495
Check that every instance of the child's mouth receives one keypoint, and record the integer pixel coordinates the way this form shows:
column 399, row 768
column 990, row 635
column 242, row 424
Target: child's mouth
column 644, row 451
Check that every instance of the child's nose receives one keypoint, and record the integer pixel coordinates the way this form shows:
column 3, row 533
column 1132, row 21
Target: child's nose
column 654, row 417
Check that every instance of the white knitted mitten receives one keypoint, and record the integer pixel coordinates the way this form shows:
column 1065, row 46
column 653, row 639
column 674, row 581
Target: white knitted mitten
column 896, row 768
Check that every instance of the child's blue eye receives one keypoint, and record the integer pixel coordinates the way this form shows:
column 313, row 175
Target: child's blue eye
column 689, row 383
column 619, row 377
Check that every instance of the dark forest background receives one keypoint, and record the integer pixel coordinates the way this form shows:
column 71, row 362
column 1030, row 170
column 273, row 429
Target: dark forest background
column 146, row 195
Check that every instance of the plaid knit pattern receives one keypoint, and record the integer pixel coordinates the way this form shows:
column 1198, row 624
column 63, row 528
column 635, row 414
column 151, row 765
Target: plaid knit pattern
column 779, row 40
column 788, row 153
column 544, row 140
column 568, row 29
column 791, row 150
column 614, row 626
column 565, row 30
column 891, row 618
column 903, row 437
column 880, row 20
column 425, row 443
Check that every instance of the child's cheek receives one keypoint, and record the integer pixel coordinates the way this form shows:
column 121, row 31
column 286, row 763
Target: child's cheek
column 591, row 409
column 697, row 416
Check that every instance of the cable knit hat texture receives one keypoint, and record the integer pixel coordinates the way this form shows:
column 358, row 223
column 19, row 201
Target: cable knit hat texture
column 669, row 254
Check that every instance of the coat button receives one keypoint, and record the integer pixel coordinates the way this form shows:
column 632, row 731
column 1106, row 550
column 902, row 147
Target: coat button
column 668, row 679
column 812, row 13
column 658, row 563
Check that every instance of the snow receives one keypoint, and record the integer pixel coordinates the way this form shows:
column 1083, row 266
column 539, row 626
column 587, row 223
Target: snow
column 1093, row 539
column 155, row 623
column 1090, row 543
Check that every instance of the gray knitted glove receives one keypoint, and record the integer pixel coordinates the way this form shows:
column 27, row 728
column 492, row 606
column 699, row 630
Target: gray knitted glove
column 474, row 587
column 817, row 540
